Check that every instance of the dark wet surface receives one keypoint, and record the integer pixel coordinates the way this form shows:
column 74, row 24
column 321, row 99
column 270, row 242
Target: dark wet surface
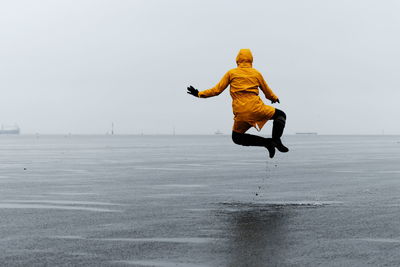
column 199, row 201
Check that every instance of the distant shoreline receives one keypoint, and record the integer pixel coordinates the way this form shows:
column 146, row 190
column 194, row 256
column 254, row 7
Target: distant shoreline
column 215, row 135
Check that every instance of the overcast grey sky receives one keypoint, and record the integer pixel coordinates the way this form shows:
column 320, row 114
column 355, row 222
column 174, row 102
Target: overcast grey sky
column 76, row 66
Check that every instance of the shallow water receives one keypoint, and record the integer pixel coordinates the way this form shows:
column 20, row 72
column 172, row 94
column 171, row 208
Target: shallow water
column 199, row 201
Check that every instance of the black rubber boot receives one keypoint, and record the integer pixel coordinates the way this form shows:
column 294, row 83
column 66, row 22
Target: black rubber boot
column 271, row 147
column 254, row 140
column 281, row 147
column 277, row 130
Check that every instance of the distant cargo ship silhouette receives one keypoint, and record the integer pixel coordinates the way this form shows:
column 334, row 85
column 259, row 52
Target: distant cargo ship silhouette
column 307, row 133
column 9, row 129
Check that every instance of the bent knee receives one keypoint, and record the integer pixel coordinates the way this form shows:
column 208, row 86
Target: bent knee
column 237, row 137
column 279, row 113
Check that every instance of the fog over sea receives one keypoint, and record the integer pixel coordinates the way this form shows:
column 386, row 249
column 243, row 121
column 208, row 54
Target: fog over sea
column 199, row 201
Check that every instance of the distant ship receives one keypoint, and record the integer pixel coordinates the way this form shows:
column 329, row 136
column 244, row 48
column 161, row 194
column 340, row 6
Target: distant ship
column 307, row 133
column 9, row 129
column 218, row 132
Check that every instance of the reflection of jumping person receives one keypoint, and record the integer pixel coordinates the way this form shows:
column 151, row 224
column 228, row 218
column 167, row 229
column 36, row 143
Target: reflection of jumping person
column 248, row 108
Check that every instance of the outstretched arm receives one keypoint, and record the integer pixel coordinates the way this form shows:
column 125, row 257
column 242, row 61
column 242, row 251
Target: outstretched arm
column 217, row 89
column 267, row 90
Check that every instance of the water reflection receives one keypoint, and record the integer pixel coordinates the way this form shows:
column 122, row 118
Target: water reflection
column 256, row 235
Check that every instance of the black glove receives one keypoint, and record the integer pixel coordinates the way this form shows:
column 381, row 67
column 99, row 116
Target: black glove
column 192, row 91
column 274, row 101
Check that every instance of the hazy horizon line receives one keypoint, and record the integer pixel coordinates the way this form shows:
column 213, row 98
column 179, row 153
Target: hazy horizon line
column 187, row 134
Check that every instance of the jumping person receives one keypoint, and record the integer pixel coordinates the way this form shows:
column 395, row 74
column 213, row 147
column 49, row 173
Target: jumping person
column 248, row 108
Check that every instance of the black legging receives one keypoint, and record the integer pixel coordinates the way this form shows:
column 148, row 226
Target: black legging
column 254, row 140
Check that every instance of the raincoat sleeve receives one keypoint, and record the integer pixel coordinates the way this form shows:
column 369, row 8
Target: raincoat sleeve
column 266, row 89
column 219, row 88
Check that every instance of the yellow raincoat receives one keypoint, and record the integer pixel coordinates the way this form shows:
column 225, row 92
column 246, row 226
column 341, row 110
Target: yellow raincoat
column 247, row 106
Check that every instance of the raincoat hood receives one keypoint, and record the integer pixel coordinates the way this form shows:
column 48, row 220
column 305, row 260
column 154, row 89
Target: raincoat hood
column 244, row 59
